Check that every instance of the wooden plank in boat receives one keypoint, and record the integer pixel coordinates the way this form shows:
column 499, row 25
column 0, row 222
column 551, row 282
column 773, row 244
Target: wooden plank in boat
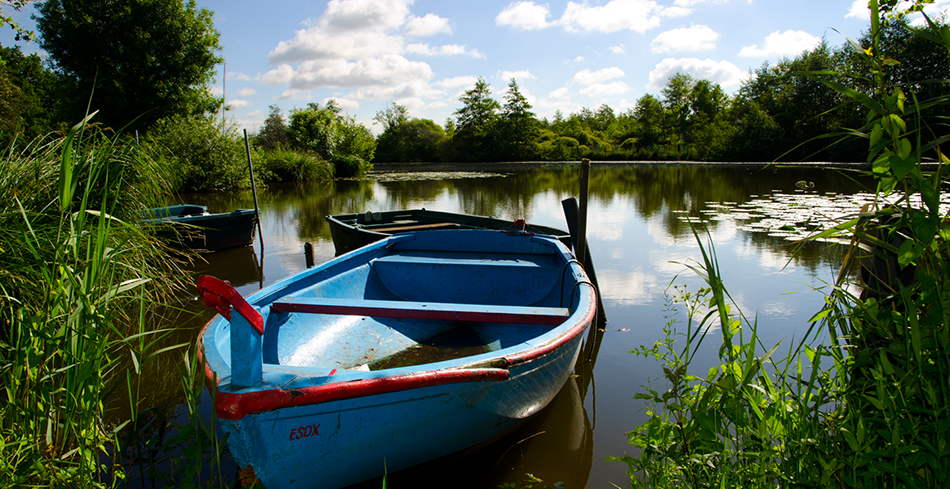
column 414, row 227
column 425, row 310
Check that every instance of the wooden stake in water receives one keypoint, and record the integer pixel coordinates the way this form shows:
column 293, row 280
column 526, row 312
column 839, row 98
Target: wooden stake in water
column 582, row 216
column 257, row 210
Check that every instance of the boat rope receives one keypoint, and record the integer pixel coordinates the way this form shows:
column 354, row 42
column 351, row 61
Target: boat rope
column 566, row 265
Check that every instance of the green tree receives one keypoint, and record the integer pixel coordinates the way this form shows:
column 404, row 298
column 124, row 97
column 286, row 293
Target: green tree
column 30, row 104
column 140, row 60
column 649, row 113
column 676, row 101
column 518, row 128
column 479, row 109
column 329, row 134
column 806, row 108
column 314, row 129
column 393, row 116
column 416, row 140
column 19, row 32
column 475, row 122
column 407, row 140
column 274, row 134
column 197, row 154
column 355, row 139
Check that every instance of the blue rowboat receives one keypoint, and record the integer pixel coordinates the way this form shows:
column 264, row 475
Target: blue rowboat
column 212, row 231
column 414, row 347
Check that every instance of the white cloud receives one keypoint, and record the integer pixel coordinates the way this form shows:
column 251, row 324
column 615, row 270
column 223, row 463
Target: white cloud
column 314, row 43
column 242, row 77
column 237, row 104
column 427, row 25
column 524, row 15
column 605, row 90
column 362, row 44
column 445, row 50
column 246, row 92
column 859, row 10
column 517, row 75
column 457, row 82
column 413, row 104
column 615, row 15
column 343, row 103
column 277, row 76
column 587, row 77
column 291, row 94
column 577, row 59
column 620, row 49
column 559, row 93
column 676, row 12
column 722, row 72
column 934, row 10
column 364, row 14
column 693, row 38
column 216, row 91
column 255, row 114
column 412, row 88
column 385, row 70
column 786, row 43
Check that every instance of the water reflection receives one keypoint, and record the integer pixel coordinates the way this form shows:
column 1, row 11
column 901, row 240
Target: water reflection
column 638, row 241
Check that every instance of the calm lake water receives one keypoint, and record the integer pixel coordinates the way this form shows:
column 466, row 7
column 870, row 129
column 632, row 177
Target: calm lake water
column 639, row 237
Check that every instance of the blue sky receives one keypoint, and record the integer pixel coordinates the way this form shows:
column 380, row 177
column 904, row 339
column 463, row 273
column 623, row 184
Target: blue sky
column 565, row 55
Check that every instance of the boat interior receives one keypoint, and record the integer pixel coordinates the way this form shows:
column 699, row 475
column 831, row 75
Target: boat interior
column 417, row 307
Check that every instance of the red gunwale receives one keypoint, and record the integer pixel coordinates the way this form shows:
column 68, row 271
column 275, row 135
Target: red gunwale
column 235, row 406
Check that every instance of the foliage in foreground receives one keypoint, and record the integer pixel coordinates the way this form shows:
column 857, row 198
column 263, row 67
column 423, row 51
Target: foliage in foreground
column 867, row 407
column 77, row 279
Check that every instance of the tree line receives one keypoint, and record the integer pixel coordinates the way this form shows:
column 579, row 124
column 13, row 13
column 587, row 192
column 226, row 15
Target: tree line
column 775, row 115
column 157, row 86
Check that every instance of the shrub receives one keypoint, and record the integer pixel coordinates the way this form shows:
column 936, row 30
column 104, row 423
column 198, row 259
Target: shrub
column 291, row 166
column 348, row 166
column 198, row 155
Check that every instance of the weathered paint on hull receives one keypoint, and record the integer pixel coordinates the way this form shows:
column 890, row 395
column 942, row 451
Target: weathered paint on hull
column 352, row 441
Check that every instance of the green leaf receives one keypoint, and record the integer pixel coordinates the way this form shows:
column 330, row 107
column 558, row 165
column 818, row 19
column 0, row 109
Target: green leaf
column 820, row 315
column 904, row 148
column 902, row 166
column 896, row 120
column 882, row 165
column 908, row 253
column 873, row 105
column 876, row 134
column 925, row 228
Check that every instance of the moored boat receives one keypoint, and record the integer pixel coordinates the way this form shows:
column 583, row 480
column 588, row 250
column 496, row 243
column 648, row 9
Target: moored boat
column 351, row 231
column 211, row 231
column 411, row 348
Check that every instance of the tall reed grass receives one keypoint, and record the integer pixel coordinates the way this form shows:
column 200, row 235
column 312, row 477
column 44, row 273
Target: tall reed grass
column 76, row 270
column 868, row 405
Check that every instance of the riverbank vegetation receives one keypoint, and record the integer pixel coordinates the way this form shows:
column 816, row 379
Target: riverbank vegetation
column 76, row 269
column 862, row 400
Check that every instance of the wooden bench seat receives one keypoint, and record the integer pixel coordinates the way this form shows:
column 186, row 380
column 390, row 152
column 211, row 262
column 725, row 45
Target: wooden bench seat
column 425, row 310
column 403, row 228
